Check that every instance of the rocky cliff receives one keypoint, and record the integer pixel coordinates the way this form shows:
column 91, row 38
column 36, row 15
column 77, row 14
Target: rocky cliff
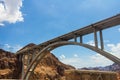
column 8, row 65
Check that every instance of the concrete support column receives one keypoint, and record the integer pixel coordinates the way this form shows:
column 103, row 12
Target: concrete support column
column 28, row 59
column 81, row 40
column 20, row 58
column 75, row 38
column 101, row 40
column 23, row 61
column 20, row 64
column 33, row 55
column 95, row 38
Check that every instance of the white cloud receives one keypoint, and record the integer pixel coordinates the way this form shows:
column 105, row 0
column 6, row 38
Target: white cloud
column 89, row 61
column 74, row 61
column 7, row 46
column 92, row 60
column 119, row 29
column 1, row 24
column 62, row 56
column 10, row 11
column 17, row 47
column 100, row 60
column 91, row 42
column 114, row 49
column 75, row 55
column 10, row 48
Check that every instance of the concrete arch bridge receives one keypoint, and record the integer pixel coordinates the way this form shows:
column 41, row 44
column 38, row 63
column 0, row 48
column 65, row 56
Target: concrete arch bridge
column 66, row 40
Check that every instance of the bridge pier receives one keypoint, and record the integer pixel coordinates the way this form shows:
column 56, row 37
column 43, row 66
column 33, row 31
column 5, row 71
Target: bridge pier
column 23, row 62
column 81, row 40
column 19, row 57
column 29, row 59
column 33, row 55
column 101, row 40
column 75, row 38
column 95, row 38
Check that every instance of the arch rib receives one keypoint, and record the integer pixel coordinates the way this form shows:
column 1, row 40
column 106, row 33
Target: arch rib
column 52, row 46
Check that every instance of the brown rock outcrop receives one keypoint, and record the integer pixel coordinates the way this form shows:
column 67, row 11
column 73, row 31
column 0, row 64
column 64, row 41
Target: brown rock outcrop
column 50, row 68
column 8, row 65
column 118, row 74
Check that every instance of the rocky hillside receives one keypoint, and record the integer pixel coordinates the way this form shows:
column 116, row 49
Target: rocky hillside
column 8, row 65
column 50, row 68
column 113, row 67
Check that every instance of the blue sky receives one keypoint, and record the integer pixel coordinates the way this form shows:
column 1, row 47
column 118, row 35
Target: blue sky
column 36, row 21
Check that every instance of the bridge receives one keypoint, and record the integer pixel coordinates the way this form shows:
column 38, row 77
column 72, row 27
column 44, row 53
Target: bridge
column 69, row 39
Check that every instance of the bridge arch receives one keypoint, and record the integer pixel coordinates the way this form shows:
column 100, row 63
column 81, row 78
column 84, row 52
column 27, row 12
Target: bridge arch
column 52, row 46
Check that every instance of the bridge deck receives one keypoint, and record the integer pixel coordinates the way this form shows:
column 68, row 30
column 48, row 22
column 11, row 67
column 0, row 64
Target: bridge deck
column 91, row 71
column 90, row 75
column 107, row 23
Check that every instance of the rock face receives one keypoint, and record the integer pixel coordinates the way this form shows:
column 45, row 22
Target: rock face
column 8, row 65
column 50, row 68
